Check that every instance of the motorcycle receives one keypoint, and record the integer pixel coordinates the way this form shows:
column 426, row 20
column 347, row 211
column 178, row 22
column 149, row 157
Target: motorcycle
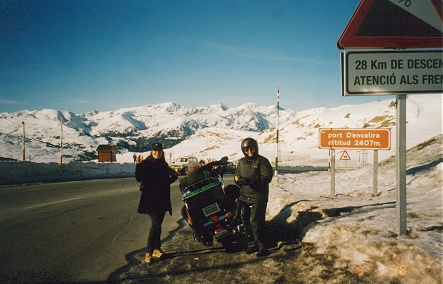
column 210, row 208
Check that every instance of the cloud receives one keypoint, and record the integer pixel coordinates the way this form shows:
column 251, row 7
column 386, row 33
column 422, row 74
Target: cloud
column 82, row 102
column 9, row 102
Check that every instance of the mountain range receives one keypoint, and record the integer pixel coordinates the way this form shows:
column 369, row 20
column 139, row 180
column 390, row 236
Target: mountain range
column 134, row 129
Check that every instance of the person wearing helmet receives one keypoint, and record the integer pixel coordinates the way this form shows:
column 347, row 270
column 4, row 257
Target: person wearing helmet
column 253, row 174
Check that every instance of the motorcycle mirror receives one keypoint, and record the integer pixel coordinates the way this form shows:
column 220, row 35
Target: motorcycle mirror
column 224, row 160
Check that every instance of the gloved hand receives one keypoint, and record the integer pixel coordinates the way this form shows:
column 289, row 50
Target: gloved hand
column 246, row 181
column 241, row 181
column 256, row 182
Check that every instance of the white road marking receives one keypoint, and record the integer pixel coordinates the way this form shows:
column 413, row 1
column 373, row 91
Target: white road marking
column 50, row 203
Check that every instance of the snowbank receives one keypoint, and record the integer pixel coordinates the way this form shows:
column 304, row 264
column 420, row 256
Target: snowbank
column 357, row 231
column 23, row 172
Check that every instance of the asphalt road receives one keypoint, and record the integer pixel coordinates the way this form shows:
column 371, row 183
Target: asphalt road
column 73, row 231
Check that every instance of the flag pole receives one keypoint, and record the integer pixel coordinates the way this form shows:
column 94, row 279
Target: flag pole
column 24, row 143
column 278, row 122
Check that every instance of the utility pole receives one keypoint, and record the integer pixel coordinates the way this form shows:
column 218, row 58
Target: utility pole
column 61, row 141
column 278, row 122
column 23, row 143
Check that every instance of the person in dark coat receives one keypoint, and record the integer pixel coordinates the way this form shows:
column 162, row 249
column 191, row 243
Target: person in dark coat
column 253, row 174
column 155, row 177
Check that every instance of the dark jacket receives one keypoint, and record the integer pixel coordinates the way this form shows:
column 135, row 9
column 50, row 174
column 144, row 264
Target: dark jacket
column 155, row 177
column 256, row 175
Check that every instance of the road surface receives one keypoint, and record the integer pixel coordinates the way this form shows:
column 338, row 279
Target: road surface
column 73, row 231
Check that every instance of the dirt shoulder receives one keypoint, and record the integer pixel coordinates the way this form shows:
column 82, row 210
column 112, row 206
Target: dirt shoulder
column 188, row 261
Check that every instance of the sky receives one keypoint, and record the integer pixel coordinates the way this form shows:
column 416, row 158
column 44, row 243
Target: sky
column 82, row 55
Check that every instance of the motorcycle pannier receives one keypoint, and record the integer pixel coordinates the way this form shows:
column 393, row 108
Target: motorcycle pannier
column 205, row 195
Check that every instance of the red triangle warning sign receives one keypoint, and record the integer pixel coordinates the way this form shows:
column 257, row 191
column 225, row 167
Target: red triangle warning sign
column 345, row 156
column 394, row 24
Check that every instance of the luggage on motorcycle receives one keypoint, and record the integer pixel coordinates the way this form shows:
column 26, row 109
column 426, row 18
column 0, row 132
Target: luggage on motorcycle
column 206, row 195
column 200, row 177
column 194, row 180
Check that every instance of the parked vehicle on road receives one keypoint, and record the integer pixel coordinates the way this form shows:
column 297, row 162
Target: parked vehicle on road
column 230, row 167
column 183, row 164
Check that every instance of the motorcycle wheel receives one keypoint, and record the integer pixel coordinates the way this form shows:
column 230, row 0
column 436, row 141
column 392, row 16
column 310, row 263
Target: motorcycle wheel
column 228, row 244
column 234, row 244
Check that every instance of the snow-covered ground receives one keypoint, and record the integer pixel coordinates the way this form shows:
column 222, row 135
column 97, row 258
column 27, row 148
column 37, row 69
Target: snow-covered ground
column 359, row 231
column 348, row 238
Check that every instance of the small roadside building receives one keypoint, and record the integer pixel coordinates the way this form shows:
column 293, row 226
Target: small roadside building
column 107, row 153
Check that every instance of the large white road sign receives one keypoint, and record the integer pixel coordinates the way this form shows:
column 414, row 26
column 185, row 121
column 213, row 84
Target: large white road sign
column 392, row 72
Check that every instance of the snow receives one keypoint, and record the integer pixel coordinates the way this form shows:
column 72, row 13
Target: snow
column 349, row 237
column 298, row 132
column 364, row 234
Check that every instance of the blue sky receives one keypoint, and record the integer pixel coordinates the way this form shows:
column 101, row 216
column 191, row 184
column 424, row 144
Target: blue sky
column 104, row 55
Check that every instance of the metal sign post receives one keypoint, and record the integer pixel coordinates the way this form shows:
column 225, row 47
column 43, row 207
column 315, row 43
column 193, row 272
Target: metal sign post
column 401, row 164
column 375, row 174
column 332, row 172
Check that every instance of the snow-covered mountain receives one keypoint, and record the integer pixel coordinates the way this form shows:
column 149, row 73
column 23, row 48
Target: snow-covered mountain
column 217, row 128
column 131, row 129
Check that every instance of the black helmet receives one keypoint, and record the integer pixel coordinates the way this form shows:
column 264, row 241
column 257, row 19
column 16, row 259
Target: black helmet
column 249, row 143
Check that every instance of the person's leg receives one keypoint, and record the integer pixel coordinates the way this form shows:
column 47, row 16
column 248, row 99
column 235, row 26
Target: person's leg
column 251, row 228
column 239, row 213
column 154, row 241
column 258, row 216
column 246, row 214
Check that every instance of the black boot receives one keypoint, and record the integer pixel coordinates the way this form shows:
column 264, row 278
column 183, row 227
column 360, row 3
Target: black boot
column 263, row 251
column 251, row 250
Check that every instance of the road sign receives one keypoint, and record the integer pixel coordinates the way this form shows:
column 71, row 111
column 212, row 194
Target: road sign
column 392, row 72
column 345, row 156
column 394, row 24
column 354, row 138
